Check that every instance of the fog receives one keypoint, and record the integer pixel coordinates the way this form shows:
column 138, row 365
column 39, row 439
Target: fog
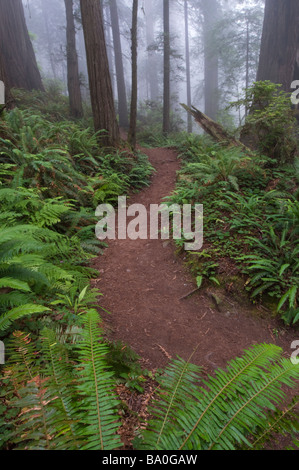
column 224, row 43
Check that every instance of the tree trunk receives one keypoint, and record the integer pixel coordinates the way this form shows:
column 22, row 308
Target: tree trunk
column 188, row 74
column 98, row 72
column 73, row 78
column 210, row 11
column 166, row 92
column 133, row 114
column 247, row 60
column 279, row 57
column 107, row 29
column 8, row 99
column 216, row 131
column 152, row 71
column 120, row 78
column 16, row 48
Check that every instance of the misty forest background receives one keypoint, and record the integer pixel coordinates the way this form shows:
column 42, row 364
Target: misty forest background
column 224, row 44
column 89, row 86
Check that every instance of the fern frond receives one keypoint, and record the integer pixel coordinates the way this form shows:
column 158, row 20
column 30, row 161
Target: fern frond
column 60, row 384
column 282, row 422
column 96, row 385
column 19, row 312
column 14, row 284
column 176, row 385
column 229, row 407
column 247, row 412
column 30, row 398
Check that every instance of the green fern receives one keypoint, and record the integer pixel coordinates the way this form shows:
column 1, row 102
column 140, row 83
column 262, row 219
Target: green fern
column 60, row 384
column 69, row 402
column 224, row 413
column 33, row 431
column 16, row 313
column 96, row 386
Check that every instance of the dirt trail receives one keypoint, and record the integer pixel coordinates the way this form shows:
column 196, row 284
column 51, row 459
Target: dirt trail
column 143, row 281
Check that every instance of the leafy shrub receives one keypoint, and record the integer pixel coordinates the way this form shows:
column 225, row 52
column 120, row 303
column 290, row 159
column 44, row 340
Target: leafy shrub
column 271, row 123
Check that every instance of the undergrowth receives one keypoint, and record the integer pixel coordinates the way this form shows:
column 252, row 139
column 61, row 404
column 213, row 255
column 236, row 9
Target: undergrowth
column 59, row 382
column 62, row 398
column 53, row 174
column 251, row 209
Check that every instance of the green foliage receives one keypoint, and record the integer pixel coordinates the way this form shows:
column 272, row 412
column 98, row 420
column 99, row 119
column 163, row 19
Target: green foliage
column 221, row 165
column 274, row 269
column 97, row 410
column 58, row 398
column 224, row 411
column 250, row 220
column 62, row 404
column 149, row 126
column 53, row 175
column 271, row 121
column 52, row 103
column 60, row 377
column 124, row 362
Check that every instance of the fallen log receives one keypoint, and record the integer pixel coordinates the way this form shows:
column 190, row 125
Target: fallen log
column 216, row 131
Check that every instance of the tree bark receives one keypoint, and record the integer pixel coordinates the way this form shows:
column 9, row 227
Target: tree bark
column 16, row 48
column 133, row 114
column 216, row 131
column 107, row 29
column 98, row 71
column 73, row 78
column 279, row 57
column 9, row 101
column 166, row 92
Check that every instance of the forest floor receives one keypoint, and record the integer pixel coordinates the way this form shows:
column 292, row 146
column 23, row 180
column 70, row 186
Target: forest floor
column 144, row 284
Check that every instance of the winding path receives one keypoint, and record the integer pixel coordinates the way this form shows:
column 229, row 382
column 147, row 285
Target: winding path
column 143, row 281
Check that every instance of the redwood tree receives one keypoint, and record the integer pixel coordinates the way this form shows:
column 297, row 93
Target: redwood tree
column 98, row 71
column 119, row 68
column 133, row 114
column 279, row 57
column 73, row 78
column 9, row 102
column 17, row 52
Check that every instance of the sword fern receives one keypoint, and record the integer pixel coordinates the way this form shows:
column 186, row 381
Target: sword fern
column 224, row 411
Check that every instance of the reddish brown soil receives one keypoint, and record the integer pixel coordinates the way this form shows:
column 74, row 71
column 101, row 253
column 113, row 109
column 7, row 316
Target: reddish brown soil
column 143, row 283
